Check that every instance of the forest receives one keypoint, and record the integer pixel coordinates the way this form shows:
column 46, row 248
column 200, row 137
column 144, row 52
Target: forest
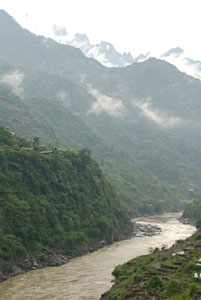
column 58, row 200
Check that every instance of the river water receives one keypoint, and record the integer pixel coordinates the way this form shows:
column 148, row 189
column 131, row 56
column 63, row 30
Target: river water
column 87, row 277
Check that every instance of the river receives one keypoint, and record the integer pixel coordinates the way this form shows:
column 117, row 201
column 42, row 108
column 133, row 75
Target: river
column 87, row 277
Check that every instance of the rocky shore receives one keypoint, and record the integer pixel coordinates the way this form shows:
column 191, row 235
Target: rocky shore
column 49, row 258
column 141, row 230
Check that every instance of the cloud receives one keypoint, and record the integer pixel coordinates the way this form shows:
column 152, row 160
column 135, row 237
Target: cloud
column 156, row 116
column 112, row 106
column 64, row 98
column 184, row 64
column 14, row 81
column 61, row 95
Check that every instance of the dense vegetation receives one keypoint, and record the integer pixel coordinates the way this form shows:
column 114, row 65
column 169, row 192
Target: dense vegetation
column 166, row 274
column 140, row 190
column 48, row 92
column 193, row 212
column 59, row 200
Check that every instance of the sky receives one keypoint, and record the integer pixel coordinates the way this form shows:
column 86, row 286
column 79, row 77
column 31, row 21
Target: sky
column 137, row 26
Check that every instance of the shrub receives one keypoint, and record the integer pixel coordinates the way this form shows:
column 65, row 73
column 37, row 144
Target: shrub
column 174, row 287
column 155, row 284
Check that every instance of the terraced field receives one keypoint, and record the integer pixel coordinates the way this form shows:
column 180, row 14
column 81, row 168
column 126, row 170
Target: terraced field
column 173, row 274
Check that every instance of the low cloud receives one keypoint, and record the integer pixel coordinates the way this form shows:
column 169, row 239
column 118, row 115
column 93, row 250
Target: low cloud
column 63, row 97
column 156, row 116
column 185, row 64
column 14, row 81
column 111, row 106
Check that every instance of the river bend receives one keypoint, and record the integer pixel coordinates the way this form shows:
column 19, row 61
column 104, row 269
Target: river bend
column 87, row 277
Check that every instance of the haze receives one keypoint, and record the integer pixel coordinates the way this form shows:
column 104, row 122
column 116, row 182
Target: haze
column 135, row 26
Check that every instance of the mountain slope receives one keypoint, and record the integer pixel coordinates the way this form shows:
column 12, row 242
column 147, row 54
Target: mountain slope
column 41, row 53
column 60, row 200
column 107, row 55
column 104, row 52
column 141, row 122
column 165, row 274
column 53, row 124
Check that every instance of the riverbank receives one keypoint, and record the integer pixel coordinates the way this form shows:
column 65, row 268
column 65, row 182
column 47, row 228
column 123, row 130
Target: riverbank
column 88, row 276
column 49, row 258
column 173, row 273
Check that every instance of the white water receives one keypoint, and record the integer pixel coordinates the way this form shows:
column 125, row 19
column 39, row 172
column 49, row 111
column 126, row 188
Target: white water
column 87, row 277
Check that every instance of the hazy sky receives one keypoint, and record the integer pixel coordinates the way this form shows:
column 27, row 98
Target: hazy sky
column 131, row 25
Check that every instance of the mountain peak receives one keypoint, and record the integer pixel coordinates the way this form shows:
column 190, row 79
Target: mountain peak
column 104, row 52
column 59, row 31
column 106, row 46
column 173, row 51
column 4, row 13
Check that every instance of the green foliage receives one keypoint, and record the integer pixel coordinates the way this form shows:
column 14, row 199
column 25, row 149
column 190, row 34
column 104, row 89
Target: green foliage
column 11, row 246
column 149, row 163
column 193, row 212
column 198, row 224
column 60, row 200
column 161, row 274
column 36, row 143
column 117, row 294
column 173, row 288
column 154, row 285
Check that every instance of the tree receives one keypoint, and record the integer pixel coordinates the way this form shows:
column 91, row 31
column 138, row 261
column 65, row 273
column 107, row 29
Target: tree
column 198, row 224
column 155, row 285
column 173, row 288
column 36, row 143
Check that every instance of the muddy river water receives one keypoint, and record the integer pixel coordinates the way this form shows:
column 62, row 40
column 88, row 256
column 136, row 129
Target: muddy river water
column 87, row 277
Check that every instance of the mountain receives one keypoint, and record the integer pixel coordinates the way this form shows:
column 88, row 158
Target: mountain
column 108, row 56
column 177, row 57
column 55, row 125
column 42, row 53
column 54, row 199
column 141, row 121
column 174, row 51
column 104, row 52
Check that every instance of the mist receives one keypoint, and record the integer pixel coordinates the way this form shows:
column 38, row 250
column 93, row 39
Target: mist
column 156, row 116
column 112, row 106
column 14, row 81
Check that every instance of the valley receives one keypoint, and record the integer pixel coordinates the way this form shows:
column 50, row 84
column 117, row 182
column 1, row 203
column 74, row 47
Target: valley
column 84, row 148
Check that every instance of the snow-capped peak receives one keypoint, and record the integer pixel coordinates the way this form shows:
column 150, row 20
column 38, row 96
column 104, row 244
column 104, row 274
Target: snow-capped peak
column 104, row 52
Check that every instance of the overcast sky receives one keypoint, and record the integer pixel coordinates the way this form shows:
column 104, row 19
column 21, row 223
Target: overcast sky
column 130, row 25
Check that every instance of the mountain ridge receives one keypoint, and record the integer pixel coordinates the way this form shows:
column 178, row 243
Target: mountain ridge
column 132, row 113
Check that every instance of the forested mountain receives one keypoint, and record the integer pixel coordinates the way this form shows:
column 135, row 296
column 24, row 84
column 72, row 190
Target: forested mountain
column 42, row 53
column 54, row 125
column 141, row 122
column 57, row 199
